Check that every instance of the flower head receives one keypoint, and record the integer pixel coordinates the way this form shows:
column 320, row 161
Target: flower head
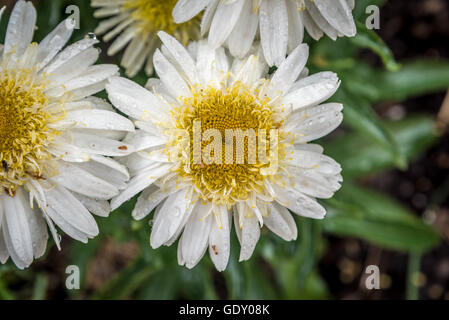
column 53, row 138
column 280, row 23
column 219, row 141
column 134, row 24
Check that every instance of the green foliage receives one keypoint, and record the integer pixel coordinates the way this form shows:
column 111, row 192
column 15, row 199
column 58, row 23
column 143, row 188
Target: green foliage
column 278, row 270
column 359, row 212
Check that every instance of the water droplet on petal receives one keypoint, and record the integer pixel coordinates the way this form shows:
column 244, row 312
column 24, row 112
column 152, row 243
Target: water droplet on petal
column 91, row 35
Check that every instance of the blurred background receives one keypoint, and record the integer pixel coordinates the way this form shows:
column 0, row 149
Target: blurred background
column 392, row 211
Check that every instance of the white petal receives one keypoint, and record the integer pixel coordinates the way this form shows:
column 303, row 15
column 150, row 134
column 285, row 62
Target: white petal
column 295, row 27
column 72, row 68
column 74, row 178
column 244, row 32
column 4, row 254
column 147, row 201
column 20, row 28
column 133, row 100
column 196, row 234
column 122, row 40
column 98, row 119
column 206, row 63
column 53, row 43
column 219, row 238
column 208, row 15
column 180, row 55
column 315, row 184
column 339, row 15
column 140, row 182
column 39, row 233
column 70, row 215
column 290, row 69
column 169, row 75
column 168, row 220
column 250, row 237
column 107, row 170
column 312, row 28
column 141, row 140
column 70, row 52
column 224, row 21
column 312, row 90
column 99, row 145
column 314, row 122
column 61, row 149
column 322, row 23
column 17, row 231
column 99, row 208
column 250, row 71
column 299, row 203
column 304, row 159
column 185, row 10
column 91, row 76
column 281, row 222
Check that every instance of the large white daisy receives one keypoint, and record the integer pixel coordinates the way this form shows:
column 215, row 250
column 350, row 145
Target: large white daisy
column 134, row 24
column 205, row 86
column 54, row 137
column 280, row 23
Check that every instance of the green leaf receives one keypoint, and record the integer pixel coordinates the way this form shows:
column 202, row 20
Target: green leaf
column 5, row 293
column 258, row 284
column 359, row 212
column 161, row 286
column 414, row 79
column 368, row 39
column 294, row 262
column 234, row 273
column 359, row 156
column 40, row 287
column 127, row 281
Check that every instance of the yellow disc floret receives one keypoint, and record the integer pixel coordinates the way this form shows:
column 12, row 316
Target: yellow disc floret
column 155, row 15
column 234, row 110
column 23, row 127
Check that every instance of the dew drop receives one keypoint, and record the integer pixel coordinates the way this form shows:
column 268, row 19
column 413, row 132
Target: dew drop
column 91, row 35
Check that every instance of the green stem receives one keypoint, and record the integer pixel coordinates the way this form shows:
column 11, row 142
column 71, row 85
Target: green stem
column 414, row 264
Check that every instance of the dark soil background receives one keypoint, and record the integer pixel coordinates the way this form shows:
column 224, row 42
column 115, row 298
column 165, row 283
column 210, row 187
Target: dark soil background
column 412, row 29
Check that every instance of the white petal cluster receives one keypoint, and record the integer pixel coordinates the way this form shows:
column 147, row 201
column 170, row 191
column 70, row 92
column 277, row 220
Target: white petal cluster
column 279, row 23
column 131, row 25
column 78, row 178
column 180, row 213
column 79, row 153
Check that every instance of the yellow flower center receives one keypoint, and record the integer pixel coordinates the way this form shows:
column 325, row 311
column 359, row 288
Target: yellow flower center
column 235, row 166
column 155, row 15
column 23, row 127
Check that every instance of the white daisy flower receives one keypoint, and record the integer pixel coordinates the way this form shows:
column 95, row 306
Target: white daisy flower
column 54, row 138
column 134, row 24
column 196, row 200
column 279, row 23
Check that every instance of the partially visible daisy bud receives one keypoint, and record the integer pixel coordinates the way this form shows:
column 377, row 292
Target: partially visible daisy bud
column 133, row 25
column 218, row 141
column 279, row 23
column 55, row 139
